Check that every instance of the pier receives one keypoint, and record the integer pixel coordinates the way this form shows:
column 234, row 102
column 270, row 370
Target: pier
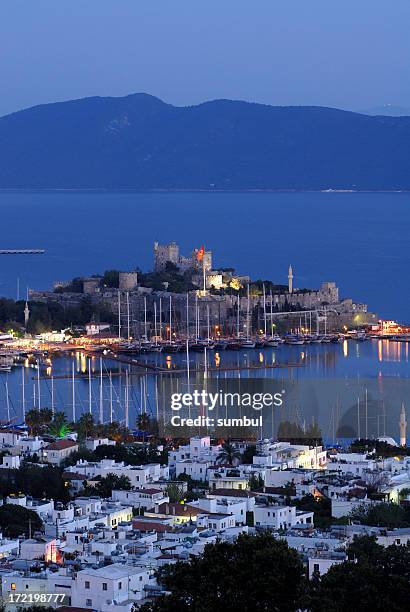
column 22, row 251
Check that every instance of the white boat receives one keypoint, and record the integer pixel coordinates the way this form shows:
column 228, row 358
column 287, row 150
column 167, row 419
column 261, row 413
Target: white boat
column 274, row 340
column 248, row 344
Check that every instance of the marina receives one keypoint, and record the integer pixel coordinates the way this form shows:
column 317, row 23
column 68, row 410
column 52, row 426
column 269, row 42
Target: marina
column 79, row 382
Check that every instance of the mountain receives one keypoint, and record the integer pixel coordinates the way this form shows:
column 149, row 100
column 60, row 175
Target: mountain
column 388, row 110
column 140, row 142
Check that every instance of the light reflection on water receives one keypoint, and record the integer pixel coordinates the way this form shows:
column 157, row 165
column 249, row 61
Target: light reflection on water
column 375, row 359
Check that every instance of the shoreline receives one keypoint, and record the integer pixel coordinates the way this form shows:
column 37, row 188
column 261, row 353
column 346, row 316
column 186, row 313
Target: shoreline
column 188, row 190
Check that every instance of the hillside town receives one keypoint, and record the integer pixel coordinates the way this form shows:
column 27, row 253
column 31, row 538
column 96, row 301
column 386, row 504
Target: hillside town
column 94, row 516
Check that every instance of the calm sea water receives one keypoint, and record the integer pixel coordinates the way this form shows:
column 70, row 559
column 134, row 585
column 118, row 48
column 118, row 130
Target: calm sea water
column 322, row 382
column 359, row 240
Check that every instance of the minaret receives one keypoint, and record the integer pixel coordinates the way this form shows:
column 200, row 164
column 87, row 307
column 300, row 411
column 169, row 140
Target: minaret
column 26, row 315
column 403, row 426
column 290, row 280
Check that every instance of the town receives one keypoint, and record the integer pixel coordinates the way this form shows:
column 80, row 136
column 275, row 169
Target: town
column 93, row 514
column 100, row 511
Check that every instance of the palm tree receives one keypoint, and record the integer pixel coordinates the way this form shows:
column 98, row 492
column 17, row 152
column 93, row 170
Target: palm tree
column 38, row 420
column 85, row 426
column 59, row 426
column 228, row 453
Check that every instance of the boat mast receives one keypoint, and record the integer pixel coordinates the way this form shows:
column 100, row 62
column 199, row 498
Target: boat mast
column 145, row 319
column 247, row 313
column 264, row 309
column 73, row 390
column 170, row 318
column 52, row 394
column 128, row 315
column 101, row 415
column 196, row 317
column 237, row 316
column 119, row 315
column 110, row 396
column 7, row 399
column 90, row 409
column 126, row 399
column 160, row 318
column 155, row 324
column 187, row 316
column 23, row 393
column 271, row 314
column 207, row 323
column 38, row 385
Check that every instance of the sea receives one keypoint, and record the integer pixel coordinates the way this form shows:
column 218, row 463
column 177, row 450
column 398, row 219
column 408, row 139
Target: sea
column 358, row 240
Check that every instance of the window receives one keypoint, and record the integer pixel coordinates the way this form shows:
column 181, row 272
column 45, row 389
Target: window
column 104, row 586
column 120, row 586
column 13, row 586
column 316, row 567
column 87, row 584
column 89, row 603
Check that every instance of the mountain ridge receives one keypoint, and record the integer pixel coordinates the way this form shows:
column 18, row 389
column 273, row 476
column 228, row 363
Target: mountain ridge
column 139, row 141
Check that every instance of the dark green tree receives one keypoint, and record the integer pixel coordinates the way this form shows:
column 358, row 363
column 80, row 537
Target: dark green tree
column 256, row 574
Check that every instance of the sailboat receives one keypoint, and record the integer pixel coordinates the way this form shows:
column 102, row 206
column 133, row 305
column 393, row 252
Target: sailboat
column 248, row 343
column 155, row 347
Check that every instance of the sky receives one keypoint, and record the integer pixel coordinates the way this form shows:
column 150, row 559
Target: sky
column 350, row 54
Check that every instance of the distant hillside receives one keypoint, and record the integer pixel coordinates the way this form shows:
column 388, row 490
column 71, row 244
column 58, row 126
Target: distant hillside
column 140, row 142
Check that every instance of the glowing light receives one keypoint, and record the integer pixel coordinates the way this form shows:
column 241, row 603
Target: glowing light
column 345, row 348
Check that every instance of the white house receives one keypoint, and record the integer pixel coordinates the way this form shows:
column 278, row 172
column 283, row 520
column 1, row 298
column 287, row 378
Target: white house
column 114, row 587
column 280, row 517
column 217, row 521
column 59, row 450
column 322, row 561
column 138, row 475
column 8, row 547
column 235, row 507
column 40, row 547
column 140, row 498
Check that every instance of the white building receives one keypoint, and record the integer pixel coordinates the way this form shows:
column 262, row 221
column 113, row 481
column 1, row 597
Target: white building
column 59, row 450
column 40, row 547
column 140, row 498
column 280, row 517
column 114, row 587
column 322, row 561
column 138, row 475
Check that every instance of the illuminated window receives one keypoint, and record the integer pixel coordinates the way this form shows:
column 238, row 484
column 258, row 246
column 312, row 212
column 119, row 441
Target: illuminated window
column 13, row 586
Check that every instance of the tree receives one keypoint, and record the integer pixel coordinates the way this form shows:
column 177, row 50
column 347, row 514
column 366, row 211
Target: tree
column 59, row 426
column 256, row 482
column 175, row 492
column 106, row 484
column 248, row 454
column 363, row 586
column 364, row 548
column 387, row 515
column 257, row 573
column 38, row 420
column 228, row 454
column 85, row 426
column 42, row 481
column 147, row 424
column 16, row 520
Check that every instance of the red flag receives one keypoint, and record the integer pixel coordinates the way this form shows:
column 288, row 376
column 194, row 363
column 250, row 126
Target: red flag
column 200, row 253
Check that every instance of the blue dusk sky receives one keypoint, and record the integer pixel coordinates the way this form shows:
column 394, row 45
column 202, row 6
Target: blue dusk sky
column 350, row 54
